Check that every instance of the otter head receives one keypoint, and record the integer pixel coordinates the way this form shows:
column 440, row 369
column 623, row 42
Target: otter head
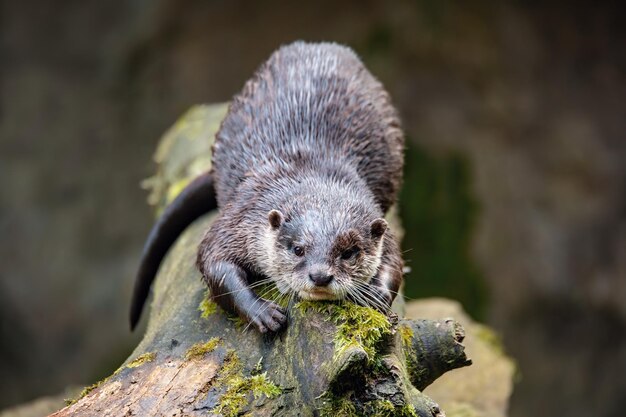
column 323, row 255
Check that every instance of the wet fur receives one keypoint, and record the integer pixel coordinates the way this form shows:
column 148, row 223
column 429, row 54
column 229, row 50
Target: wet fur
column 314, row 136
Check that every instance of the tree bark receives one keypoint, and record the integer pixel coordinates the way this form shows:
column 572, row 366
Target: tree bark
column 333, row 358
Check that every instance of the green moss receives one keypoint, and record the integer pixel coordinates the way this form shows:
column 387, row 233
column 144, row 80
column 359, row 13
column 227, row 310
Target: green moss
column 357, row 326
column 261, row 385
column 238, row 386
column 406, row 333
column 385, row 408
column 146, row 357
column 231, row 364
column 407, row 411
column 200, row 349
column 317, row 306
column 84, row 392
column 410, row 356
column 232, row 401
column 258, row 368
column 438, row 212
column 337, row 407
column 346, row 407
column 235, row 397
column 207, row 307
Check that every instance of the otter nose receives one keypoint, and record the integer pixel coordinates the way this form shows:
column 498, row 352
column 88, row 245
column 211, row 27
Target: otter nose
column 320, row 279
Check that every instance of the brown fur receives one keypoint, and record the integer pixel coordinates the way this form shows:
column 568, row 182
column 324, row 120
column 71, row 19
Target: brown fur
column 309, row 156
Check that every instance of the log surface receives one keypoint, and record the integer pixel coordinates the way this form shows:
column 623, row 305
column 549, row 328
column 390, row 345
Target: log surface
column 332, row 359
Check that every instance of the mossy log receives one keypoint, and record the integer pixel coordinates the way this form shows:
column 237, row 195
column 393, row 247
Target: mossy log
column 333, row 358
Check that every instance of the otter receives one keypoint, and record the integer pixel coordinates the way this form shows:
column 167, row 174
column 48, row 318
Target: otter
column 305, row 165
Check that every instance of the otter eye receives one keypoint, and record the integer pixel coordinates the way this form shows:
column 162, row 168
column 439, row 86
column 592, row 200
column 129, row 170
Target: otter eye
column 350, row 253
column 298, row 250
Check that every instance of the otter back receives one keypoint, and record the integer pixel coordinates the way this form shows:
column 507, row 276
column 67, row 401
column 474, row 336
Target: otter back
column 313, row 102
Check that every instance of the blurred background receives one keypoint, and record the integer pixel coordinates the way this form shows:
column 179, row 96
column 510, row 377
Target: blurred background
column 514, row 200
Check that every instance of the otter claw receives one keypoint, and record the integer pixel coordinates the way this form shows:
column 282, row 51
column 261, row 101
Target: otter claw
column 272, row 317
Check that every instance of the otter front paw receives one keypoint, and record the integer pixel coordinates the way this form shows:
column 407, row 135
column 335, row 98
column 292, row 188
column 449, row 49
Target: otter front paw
column 269, row 317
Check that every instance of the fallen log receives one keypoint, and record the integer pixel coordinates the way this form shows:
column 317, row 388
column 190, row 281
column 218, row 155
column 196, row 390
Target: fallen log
column 334, row 358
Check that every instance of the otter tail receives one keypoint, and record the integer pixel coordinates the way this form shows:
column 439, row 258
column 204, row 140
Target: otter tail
column 195, row 200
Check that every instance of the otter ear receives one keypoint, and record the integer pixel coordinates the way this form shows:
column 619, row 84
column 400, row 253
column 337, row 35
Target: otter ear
column 378, row 227
column 276, row 218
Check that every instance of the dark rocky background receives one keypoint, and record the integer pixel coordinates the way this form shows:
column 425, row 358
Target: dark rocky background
column 514, row 201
